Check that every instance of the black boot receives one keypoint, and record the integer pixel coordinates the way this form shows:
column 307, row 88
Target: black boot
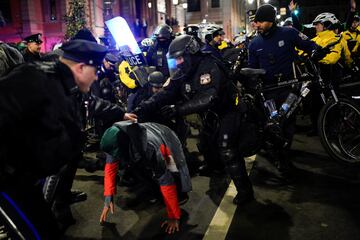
column 77, row 196
column 235, row 167
column 244, row 188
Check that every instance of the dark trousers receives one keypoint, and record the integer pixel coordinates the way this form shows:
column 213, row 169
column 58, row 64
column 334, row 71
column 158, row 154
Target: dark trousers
column 25, row 205
column 228, row 148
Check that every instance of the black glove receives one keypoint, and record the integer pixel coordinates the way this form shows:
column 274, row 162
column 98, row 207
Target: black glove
column 169, row 111
column 319, row 53
column 354, row 69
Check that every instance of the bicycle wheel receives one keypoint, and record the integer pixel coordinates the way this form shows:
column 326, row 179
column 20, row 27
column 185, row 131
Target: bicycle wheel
column 339, row 130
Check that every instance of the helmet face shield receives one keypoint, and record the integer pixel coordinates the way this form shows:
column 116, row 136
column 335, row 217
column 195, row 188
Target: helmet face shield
column 179, row 66
column 179, row 55
column 172, row 66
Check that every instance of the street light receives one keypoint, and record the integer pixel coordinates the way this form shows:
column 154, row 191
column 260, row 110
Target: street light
column 185, row 6
column 149, row 5
column 175, row 3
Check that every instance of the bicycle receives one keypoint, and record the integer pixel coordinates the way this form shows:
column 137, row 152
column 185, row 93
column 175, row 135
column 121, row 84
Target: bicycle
column 338, row 121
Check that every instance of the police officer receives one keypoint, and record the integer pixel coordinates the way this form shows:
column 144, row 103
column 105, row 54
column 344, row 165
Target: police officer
column 213, row 37
column 40, row 127
column 239, row 41
column 324, row 24
column 9, row 58
column 352, row 36
column 156, row 54
column 195, row 32
column 33, row 47
column 274, row 50
column 107, row 76
column 155, row 83
column 198, row 85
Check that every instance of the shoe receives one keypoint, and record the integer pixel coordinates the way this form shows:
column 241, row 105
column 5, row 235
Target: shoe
column 77, row 196
column 206, row 171
column 243, row 200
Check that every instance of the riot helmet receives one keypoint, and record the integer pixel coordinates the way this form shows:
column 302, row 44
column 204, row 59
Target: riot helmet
column 156, row 79
column 192, row 31
column 163, row 32
column 179, row 56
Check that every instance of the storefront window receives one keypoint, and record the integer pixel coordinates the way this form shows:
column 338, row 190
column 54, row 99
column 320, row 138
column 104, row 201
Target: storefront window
column 215, row 3
column 194, row 6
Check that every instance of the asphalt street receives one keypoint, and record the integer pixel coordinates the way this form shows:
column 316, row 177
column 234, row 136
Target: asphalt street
column 321, row 202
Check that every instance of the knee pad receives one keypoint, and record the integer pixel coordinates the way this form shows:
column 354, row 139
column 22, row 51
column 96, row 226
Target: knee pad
column 228, row 155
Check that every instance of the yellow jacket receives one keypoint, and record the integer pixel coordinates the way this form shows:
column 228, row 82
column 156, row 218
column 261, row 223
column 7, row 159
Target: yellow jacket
column 223, row 45
column 124, row 73
column 345, row 52
column 353, row 37
column 323, row 39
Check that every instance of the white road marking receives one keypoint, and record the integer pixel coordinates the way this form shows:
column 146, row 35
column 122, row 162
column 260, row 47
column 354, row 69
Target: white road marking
column 224, row 214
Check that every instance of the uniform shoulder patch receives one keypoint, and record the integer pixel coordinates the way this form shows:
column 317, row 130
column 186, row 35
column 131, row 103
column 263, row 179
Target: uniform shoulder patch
column 281, row 43
column 205, row 79
column 303, row 36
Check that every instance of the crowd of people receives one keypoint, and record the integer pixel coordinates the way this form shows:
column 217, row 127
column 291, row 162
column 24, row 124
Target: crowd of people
column 47, row 99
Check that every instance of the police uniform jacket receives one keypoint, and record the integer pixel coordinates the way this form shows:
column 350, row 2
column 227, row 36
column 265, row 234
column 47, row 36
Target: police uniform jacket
column 39, row 119
column 204, row 88
column 31, row 57
column 156, row 56
column 208, row 48
column 275, row 51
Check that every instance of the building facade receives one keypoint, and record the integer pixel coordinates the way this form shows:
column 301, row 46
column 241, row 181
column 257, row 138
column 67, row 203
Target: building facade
column 21, row 18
